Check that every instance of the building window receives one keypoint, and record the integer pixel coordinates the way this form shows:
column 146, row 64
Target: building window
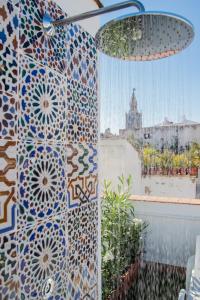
column 147, row 136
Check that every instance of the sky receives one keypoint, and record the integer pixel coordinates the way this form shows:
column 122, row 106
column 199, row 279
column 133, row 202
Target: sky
column 164, row 88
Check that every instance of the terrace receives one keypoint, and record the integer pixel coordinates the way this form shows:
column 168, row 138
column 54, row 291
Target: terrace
column 166, row 259
column 166, row 263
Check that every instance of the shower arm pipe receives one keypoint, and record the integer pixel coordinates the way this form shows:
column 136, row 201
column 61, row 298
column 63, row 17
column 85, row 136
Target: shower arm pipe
column 98, row 12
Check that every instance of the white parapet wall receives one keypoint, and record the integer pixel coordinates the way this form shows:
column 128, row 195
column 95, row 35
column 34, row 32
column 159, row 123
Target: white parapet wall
column 174, row 224
column 166, row 186
column 118, row 157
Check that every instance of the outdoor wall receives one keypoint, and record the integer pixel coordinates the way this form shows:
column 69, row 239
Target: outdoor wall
column 173, row 225
column 48, row 157
column 166, row 186
column 118, row 157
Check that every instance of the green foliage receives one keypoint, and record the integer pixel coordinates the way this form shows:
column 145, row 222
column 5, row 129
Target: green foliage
column 121, row 234
column 195, row 155
column 150, row 157
column 168, row 159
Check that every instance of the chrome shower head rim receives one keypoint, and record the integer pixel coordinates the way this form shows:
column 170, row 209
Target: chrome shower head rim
column 154, row 12
column 159, row 14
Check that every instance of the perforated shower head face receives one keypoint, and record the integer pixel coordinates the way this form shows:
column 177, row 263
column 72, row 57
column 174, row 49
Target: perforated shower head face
column 145, row 36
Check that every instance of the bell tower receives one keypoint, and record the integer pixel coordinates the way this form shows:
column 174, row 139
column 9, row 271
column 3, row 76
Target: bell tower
column 133, row 117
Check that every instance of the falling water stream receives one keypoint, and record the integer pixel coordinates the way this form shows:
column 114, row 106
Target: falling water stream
column 164, row 95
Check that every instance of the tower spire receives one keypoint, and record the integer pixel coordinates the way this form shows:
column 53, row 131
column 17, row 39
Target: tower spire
column 133, row 117
column 133, row 103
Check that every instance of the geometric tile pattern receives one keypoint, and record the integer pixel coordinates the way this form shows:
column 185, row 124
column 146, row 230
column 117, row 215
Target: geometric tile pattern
column 81, row 99
column 82, row 189
column 9, row 280
column 42, row 190
column 8, row 71
column 81, row 41
column 81, row 69
column 48, row 156
column 42, row 256
column 81, row 160
column 82, row 282
column 55, row 111
column 9, row 26
column 7, row 186
column 42, row 105
column 56, row 45
column 82, row 235
column 32, row 83
column 8, row 113
column 49, row 51
column 32, row 38
column 81, row 128
column 82, row 174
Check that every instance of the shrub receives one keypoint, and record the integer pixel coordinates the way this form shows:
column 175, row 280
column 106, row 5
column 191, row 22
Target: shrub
column 121, row 234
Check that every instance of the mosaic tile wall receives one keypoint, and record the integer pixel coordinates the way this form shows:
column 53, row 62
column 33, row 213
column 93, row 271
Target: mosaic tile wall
column 48, row 157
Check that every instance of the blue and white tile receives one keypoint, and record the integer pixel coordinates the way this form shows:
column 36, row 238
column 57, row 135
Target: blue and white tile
column 81, row 99
column 8, row 113
column 9, row 267
column 43, row 257
column 42, row 187
column 81, row 40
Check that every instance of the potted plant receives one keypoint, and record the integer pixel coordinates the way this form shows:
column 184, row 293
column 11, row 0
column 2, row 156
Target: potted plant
column 183, row 162
column 175, row 164
column 149, row 160
column 194, row 159
column 165, row 159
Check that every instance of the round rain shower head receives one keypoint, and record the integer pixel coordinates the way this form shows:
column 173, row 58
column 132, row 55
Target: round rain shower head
column 145, row 36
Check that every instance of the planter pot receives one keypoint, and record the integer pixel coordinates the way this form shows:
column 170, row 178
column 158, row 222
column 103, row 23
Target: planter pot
column 174, row 171
column 152, row 171
column 126, row 282
column 193, row 171
column 165, row 171
column 170, row 173
column 157, row 171
column 179, row 171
